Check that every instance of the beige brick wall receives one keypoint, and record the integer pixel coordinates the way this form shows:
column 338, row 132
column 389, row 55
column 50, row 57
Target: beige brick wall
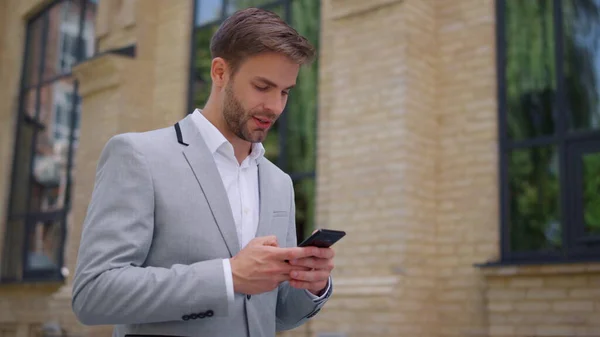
column 467, row 192
column 377, row 165
column 412, row 85
column 116, row 24
column 561, row 300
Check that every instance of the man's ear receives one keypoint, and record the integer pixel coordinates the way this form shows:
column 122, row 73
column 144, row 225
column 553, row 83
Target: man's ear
column 218, row 72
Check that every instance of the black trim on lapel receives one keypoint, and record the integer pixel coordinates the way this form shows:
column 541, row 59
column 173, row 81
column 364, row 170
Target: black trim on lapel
column 205, row 170
column 179, row 135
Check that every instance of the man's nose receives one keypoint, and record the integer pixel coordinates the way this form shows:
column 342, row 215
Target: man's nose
column 275, row 104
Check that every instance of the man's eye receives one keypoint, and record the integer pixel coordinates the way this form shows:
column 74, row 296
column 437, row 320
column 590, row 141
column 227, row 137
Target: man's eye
column 285, row 93
column 261, row 88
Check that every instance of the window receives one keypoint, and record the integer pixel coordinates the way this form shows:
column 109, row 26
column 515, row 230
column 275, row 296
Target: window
column 291, row 144
column 47, row 135
column 63, row 106
column 549, row 97
column 69, row 35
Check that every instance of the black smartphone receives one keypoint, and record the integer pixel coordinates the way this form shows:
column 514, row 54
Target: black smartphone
column 323, row 238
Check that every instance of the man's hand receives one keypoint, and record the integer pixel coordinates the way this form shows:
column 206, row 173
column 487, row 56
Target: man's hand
column 261, row 266
column 318, row 268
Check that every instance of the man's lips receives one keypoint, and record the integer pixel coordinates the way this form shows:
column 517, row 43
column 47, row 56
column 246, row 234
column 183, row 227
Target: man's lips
column 262, row 122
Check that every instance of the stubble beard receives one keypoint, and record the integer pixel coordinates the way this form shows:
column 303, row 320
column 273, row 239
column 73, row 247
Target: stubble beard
column 237, row 118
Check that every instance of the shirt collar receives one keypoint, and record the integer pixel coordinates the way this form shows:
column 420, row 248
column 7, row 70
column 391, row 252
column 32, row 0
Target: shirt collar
column 214, row 138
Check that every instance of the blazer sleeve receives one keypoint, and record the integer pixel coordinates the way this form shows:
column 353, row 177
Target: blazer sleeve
column 111, row 285
column 296, row 306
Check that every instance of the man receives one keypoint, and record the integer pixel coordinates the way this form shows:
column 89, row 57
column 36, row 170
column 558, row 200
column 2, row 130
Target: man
column 190, row 230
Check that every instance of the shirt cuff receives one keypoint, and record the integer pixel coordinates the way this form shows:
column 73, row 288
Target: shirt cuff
column 228, row 281
column 318, row 299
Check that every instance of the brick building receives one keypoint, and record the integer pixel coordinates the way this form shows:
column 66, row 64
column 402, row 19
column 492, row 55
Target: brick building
column 455, row 142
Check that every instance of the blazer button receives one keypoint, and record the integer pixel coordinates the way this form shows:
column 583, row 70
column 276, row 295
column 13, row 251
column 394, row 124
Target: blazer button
column 201, row 315
column 209, row 313
column 248, row 296
column 185, row 318
column 193, row 316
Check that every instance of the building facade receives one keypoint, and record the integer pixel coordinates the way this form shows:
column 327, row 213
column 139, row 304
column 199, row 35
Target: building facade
column 456, row 142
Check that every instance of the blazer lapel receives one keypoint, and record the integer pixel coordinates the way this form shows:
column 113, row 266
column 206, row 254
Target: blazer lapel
column 205, row 170
column 265, row 195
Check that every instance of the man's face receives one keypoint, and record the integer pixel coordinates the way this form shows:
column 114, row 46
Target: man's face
column 256, row 95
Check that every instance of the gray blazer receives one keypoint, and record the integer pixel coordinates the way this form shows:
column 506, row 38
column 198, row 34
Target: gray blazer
column 157, row 228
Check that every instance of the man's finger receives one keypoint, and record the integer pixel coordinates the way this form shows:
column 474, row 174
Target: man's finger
column 296, row 253
column 309, row 276
column 283, row 277
column 287, row 268
column 325, row 253
column 311, row 262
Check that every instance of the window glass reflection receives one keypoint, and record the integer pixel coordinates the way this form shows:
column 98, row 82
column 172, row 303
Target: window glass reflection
column 43, row 244
column 582, row 63
column 234, row 5
column 591, row 193
column 534, row 202
column 52, row 145
column 49, row 113
column 61, row 39
column 530, row 69
column 208, row 11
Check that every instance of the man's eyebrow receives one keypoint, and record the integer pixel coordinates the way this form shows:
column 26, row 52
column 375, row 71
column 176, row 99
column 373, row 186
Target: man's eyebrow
column 271, row 83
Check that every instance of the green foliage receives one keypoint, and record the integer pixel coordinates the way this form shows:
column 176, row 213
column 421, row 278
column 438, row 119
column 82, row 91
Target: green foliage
column 534, row 199
column 530, row 68
column 202, row 62
column 591, row 193
column 240, row 4
column 302, row 114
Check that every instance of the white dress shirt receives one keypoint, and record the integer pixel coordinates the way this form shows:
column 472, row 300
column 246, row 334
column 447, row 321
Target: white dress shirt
column 241, row 185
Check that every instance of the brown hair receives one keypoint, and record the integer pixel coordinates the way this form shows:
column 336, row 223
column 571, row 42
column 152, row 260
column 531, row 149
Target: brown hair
column 252, row 31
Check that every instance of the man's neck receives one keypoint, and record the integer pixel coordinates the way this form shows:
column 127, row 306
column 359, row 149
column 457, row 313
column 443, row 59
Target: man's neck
column 241, row 148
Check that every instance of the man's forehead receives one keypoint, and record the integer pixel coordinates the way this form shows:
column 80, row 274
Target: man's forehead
column 276, row 68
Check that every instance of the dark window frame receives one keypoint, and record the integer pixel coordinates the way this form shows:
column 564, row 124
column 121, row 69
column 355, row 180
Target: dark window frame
column 570, row 145
column 56, row 217
column 282, row 121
